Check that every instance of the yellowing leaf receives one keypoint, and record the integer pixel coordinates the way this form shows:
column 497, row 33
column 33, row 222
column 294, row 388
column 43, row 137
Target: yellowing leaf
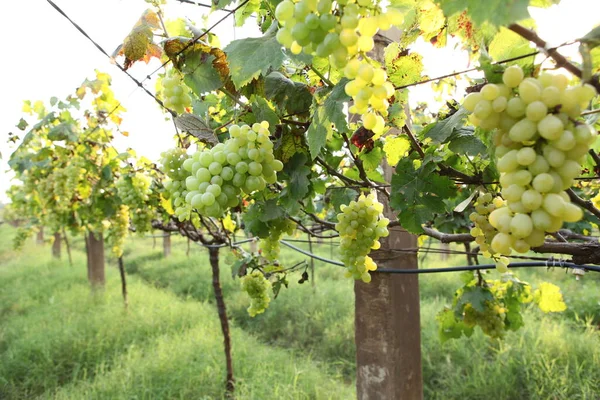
column 549, row 298
column 125, row 133
column 421, row 240
column 395, row 148
column 138, row 45
column 166, row 204
column 228, row 223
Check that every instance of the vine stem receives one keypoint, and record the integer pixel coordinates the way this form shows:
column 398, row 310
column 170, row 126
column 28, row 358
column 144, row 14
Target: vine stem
column 123, row 282
column 222, row 310
column 68, row 247
column 320, row 75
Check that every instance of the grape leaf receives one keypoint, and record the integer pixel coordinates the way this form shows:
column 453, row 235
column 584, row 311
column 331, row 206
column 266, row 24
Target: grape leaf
column 289, row 143
column 402, row 68
column 197, row 128
column 62, row 131
column 253, row 223
column 341, row 196
column 451, row 327
column 319, row 129
column 297, row 172
column 395, row 147
column 263, row 111
column 334, row 106
column 496, row 12
column 418, row 194
column 464, row 141
column 549, row 298
column 199, row 70
column 442, row 130
column 477, row 296
column 291, row 97
column 252, row 57
column 372, row 159
column 507, row 44
column 138, row 44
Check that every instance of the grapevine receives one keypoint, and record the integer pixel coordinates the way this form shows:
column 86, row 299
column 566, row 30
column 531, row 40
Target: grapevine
column 176, row 94
column 134, row 191
column 360, row 225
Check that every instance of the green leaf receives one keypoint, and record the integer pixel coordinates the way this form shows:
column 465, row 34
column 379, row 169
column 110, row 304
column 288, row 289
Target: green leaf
column 372, row 159
column 419, row 193
column 253, row 223
column 442, row 130
column 507, row 44
column 263, row 111
column 317, row 133
column 22, row 125
column 200, row 75
column 477, row 296
column 249, row 58
column 496, row 12
column 464, row 141
column 291, row 97
column 298, row 172
column 549, row 298
column 341, row 196
column 402, row 68
column 290, row 143
column 449, row 327
column 334, row 106
column 62, row 131
column 395, row 148
column 271, row 211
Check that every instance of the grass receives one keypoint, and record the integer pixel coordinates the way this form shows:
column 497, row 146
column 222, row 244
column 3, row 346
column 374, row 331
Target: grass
column 553, row 356
column 59, row 342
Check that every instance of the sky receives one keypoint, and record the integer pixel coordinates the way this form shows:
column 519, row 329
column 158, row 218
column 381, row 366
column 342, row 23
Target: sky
column 45, row 56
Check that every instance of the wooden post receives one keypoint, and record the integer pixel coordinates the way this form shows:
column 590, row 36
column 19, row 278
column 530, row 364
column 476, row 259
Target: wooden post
column 387, row 312
column 167, row 244
column 123, row 282
column 95, row 259
column 56, row 245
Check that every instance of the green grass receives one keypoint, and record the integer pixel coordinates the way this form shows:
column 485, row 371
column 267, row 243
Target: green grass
column 319, row 321
column 57, row 341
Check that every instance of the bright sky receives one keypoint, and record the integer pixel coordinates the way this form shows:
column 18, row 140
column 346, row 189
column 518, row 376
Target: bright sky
column 45, row 56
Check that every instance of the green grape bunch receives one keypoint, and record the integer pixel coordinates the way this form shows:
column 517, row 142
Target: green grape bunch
column 338, row 30
column 134, row 191
column 270, row 246
column 257, row 286
column 176, row 95
column 118, row 230
column 360, row 225
column 484, row 232
column 172, row 165
column 216, row 177
column 540, row 146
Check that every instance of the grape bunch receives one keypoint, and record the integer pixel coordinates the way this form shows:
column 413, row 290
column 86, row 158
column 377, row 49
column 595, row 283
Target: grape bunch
column 134, row 191
column 483, row 231
column 176, row 94
column 491, row 320
column 360, row 225
column 539, row 150
column 217, row 176
column 119, row 227
column 338, row 30
column 369, row 88
column 172, row 165
column 270, row 246
column 257, row 287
